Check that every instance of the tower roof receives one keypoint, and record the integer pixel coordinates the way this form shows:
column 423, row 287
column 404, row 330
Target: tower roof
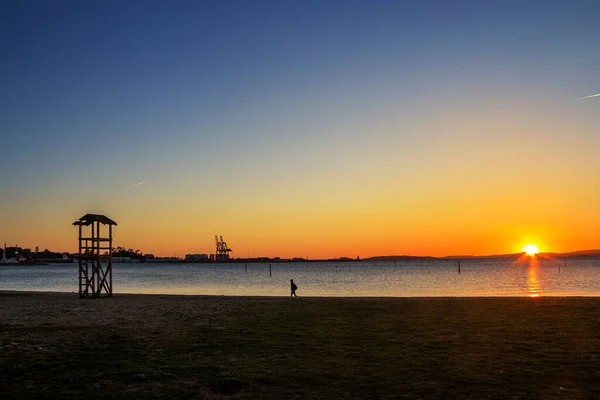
column 88, row 219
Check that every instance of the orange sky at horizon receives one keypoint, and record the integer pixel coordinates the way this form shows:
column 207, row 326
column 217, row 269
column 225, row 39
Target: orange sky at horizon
column 424, row 230
column 461, row 194
column 448, row 243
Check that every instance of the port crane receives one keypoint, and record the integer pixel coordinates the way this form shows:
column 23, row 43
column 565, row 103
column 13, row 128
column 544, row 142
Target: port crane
column 223, row 250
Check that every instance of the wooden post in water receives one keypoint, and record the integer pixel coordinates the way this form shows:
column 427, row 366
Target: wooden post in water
column 459, row 266
column 246, row 267
column 270, row 270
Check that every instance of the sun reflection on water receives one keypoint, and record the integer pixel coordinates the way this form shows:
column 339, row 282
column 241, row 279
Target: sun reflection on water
column 533, row 281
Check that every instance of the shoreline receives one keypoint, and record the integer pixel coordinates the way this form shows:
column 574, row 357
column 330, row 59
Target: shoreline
column 9, row 292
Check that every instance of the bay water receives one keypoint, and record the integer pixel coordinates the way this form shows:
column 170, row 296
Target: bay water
column 439, row 278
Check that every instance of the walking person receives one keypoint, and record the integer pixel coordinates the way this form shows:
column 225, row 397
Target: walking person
column 294, row 288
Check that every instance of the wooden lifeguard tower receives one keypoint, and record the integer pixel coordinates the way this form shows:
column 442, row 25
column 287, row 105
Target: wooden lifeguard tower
column 95, row 256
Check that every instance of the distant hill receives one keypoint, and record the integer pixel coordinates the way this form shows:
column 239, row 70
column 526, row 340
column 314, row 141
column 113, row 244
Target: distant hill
column 578, row 253
column 400, row 258
column 430, row 258
column 513, row 256
column 492, row 256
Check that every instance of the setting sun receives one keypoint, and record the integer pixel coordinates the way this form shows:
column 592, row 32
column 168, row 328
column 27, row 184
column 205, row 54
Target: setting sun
column 531, row 249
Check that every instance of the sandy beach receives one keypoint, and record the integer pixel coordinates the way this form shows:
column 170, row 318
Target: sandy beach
column 215, row 347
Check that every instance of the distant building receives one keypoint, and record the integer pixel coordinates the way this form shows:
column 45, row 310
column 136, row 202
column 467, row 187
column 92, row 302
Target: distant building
column 196, row 257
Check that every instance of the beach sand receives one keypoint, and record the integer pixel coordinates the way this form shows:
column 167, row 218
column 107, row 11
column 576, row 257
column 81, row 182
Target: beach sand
column 215, row 347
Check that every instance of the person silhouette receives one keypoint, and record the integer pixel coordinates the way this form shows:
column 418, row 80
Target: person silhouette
column 294, row 288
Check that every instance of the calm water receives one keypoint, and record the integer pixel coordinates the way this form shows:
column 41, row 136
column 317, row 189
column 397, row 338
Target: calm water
column 405, row 279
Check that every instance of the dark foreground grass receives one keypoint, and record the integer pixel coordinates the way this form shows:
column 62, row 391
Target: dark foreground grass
column 56, row 345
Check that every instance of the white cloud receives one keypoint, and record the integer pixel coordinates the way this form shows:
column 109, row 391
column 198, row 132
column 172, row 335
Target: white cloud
column 138, row 184
column 589, row 97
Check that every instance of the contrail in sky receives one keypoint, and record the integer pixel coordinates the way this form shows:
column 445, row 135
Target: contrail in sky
column 138, row 184
column 593, row 95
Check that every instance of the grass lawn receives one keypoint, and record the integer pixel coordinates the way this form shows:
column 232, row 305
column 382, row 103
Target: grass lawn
column 212, row 347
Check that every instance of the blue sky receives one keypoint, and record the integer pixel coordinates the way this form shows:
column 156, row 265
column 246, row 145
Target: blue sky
column 262, row 97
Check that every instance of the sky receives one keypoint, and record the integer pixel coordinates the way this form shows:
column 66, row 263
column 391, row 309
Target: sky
column 311, row 129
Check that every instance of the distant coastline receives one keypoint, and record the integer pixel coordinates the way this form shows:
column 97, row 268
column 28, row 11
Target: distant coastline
column 569, row 255
column 573, row 255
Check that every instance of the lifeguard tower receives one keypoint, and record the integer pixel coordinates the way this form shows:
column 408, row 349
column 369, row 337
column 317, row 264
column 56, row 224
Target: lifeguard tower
column 95, row 256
